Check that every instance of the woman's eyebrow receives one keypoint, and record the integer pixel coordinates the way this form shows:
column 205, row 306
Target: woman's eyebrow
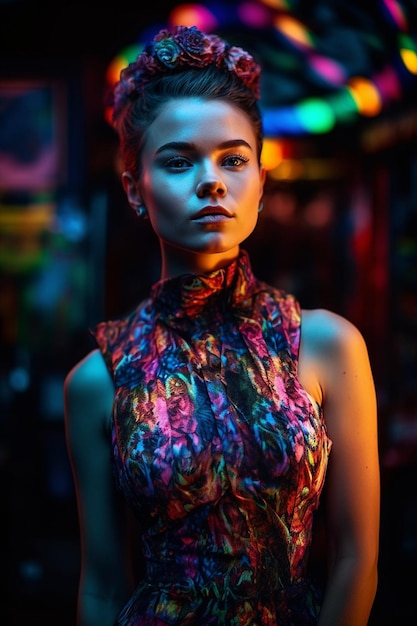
column 175, row 145
column 184, row 145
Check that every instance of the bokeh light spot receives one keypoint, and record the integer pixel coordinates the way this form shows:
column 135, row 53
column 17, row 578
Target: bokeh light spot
column 332, row 71
column 294, row 30
column 396, row 13
column 366, row 96
column 253, row 14
column 272, row 153
column 190, row 14
column 316, row 115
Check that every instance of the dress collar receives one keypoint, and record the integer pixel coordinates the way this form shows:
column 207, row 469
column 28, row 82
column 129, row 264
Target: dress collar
column 191, row 294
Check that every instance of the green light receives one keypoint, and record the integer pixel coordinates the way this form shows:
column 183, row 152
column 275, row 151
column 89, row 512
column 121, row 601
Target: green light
column 406, row 42
column 344, row 105
column 316, row 115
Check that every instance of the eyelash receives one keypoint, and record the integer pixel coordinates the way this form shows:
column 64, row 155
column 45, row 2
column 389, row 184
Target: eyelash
column 173, row 161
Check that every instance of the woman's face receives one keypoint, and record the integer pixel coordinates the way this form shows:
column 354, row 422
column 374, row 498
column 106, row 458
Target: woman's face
column 200, row 182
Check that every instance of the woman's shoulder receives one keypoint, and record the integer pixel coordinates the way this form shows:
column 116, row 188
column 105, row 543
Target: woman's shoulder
column 324, row 329
column 89, row 373
column 332, row 349
column 88, row 390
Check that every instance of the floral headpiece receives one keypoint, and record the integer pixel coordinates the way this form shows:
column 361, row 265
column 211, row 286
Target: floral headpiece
column 184, row 47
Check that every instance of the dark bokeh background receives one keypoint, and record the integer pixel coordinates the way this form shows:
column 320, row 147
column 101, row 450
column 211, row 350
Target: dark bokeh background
column 342, row 233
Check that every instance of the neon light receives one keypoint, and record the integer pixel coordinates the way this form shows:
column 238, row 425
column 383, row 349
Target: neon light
column 253, row 14
column 408, row 53
column 193, row 15
column 316, row 115
column 366, row 95
column 272, row 153
column 332, row 71
column 396, row 13
column 410, row 60
column 276, row 4
column 294, row 30
column 349, row 96
column 125, row 56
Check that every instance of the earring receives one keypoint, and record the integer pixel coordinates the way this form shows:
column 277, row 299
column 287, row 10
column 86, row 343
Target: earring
column 261, row 206
column 140, row 210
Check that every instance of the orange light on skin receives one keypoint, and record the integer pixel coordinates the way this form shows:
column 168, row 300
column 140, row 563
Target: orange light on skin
column 294, row 30
column 366, row 96
column 190, row 14
column 272, row 154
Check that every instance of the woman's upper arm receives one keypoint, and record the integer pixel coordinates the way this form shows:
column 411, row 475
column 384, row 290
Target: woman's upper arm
column 335, row 368
column 350, row 411
column 88, row 398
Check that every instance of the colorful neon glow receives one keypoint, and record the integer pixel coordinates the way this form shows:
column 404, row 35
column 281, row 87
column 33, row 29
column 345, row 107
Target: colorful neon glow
column 316, row 115
column 408, row 53
column 331, row 71
column 272, row 154
column 345, row 95
column 253, row 14
column 294, row 31
column 366, row 96
column 396, row 13
column 193, row 15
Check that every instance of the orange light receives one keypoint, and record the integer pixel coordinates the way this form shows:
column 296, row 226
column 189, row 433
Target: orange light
column 189, row 14
column 126, row 56
column 294, row 30
column 409, row 58
column 272, row 154
column 276, row 4
column 366, row 96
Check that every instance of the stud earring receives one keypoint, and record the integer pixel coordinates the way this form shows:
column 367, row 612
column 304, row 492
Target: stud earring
column 140, row 210
column 261, row 206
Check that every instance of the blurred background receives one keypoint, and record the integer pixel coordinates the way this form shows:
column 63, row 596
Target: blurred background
column 338, row 229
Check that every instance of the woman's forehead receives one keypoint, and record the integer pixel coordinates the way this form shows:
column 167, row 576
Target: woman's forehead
column 186, row 118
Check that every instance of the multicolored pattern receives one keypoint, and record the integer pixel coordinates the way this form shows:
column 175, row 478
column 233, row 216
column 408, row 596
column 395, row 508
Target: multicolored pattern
column 219, row 450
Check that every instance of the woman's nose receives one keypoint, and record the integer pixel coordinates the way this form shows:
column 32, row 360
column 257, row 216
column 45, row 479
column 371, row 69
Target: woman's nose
column 211, row 188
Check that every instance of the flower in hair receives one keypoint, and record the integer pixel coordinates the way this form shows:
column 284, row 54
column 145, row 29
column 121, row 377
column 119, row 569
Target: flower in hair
column 182, row 48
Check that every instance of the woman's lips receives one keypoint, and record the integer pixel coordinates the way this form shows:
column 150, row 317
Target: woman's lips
column 212, row 214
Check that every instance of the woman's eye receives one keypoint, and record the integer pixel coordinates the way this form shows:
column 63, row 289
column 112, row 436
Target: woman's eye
column 235, row 160
column 177, row 163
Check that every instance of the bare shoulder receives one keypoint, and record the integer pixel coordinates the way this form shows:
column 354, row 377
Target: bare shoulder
column 88, row 394
column 332, row 349
column 329, row 333
column 90, row 371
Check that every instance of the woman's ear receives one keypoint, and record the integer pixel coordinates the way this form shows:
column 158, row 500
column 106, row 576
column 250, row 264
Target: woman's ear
column 131, row 187
column 262, row 173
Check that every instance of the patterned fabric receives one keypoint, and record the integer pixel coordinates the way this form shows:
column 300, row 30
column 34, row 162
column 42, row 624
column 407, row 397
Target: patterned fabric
column 219, row 450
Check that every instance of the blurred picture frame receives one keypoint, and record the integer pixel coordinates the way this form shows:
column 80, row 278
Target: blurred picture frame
column 33, row 143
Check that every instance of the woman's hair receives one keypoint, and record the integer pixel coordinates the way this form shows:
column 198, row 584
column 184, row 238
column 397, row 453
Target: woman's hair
column 182, row 64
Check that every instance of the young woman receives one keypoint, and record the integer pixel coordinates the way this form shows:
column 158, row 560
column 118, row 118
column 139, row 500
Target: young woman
column 217, row 409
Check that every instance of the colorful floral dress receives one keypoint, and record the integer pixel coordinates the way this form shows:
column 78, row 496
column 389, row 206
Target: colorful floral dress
column 218, row 449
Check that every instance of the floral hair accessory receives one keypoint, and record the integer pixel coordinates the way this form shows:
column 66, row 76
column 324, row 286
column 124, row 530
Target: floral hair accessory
column 185, row 47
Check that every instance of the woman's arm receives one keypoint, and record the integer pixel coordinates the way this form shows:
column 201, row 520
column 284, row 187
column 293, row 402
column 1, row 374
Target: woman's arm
column 105, row 580
column 338, row 353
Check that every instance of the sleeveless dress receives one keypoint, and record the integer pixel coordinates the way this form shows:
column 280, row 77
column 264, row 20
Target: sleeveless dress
column 218, row 449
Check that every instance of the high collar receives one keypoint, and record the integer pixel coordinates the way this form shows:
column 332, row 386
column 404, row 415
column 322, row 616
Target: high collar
column 192, row 295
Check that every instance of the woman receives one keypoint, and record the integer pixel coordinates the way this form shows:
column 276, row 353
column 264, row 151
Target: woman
column 218, row 408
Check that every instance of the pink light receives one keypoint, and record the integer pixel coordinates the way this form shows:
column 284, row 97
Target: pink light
column 396, row 13
column 388, row 84
column 254, row 15
column 329, row 69
column 189, row 14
